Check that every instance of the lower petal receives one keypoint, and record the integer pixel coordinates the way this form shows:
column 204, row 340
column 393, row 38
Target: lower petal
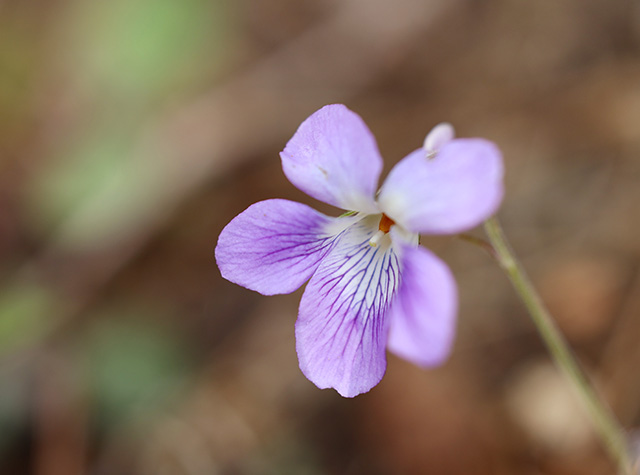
column 423, row 315
column 341, row 332
column 274, row 246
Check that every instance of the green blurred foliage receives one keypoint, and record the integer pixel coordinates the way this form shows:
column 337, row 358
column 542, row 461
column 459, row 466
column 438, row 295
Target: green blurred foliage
column 137, row 48
column 117, row 63
column 126, row 60
column 25, row 315
column 132, row 363
column 93, row 189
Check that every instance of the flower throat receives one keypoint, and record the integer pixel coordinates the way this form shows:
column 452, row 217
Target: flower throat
column 383, row 228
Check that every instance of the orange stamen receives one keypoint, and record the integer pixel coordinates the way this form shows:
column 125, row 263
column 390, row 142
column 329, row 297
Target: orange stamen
column 385, row 224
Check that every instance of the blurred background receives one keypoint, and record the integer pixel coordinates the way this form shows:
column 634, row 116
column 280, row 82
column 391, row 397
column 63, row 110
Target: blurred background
column 132, row 131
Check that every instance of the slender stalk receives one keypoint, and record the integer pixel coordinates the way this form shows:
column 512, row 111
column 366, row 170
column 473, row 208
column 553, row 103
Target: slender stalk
column 604, row 421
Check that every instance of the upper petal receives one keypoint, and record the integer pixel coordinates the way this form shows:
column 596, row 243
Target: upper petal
column 334, row 157
column 454, row 191
column 274, row 246
column 423, row 315
column 341, row 332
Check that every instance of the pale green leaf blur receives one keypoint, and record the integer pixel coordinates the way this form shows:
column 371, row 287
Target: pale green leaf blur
column 26, row 313
column 129, row 61
column 132, row 363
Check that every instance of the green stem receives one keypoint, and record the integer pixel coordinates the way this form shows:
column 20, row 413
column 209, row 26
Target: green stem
column 604, row 421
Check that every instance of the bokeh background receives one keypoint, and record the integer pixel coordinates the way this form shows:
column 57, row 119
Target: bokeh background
column 132, row 131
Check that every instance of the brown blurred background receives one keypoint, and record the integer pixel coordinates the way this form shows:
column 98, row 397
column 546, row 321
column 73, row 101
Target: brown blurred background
column 132, row 131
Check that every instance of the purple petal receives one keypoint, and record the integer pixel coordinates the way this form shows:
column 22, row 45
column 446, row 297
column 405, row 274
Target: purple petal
column 274, row 246
column 341, row 332
column 334, row 157
column 422, row 317
column 454, row 191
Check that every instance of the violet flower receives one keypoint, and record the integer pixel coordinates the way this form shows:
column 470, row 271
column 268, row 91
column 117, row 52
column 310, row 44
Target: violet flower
column 372, row 286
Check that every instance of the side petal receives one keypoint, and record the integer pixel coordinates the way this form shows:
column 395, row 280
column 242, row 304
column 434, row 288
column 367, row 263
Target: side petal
column 334, row 158
column 454, row 191
column 274, row 246
column 423, row 316
column 341, row 332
